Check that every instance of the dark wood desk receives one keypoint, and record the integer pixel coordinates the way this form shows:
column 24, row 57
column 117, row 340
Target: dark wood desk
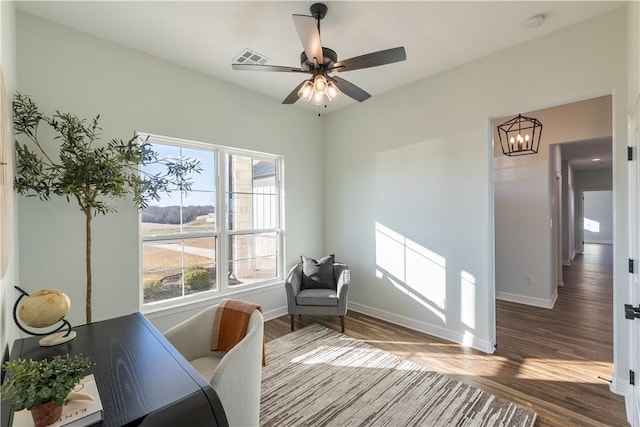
column 143, row 380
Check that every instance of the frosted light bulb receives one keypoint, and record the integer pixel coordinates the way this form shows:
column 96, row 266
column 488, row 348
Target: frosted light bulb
column 306, row 91
column 318, row 98
column 320, row 83
column 332, row 91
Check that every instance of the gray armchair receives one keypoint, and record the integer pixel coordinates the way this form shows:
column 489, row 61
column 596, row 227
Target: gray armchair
column 318, row 302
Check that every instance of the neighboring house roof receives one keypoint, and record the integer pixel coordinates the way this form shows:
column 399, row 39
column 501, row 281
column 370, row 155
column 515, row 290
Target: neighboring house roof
column 264, row 169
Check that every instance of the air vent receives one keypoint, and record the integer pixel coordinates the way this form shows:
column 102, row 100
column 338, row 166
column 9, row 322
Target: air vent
column 248, row 56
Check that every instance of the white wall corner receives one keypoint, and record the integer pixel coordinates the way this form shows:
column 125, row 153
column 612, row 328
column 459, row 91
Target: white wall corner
column 483, row 345
column 523, row 299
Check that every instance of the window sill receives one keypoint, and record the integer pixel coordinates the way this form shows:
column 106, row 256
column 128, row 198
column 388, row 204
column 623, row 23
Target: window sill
column 163, row 309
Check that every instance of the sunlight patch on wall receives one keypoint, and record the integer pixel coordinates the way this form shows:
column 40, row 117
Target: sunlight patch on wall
column 468, row 339
column 417, row 298
column 468, row 299
column 591, row 225
column 411, row 268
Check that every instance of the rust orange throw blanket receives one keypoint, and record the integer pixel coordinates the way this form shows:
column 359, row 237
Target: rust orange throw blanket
column 230, row 324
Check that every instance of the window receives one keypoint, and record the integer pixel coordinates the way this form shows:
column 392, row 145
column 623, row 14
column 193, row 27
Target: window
column 223, row 235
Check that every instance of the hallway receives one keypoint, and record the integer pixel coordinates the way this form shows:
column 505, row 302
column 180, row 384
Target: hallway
column 567, row 352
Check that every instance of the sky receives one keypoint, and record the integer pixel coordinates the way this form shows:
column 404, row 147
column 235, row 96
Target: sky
column 203, row 183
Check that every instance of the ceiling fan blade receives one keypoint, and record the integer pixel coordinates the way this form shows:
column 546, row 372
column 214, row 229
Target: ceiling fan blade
column 372, row 59
column 293, row 96
column 257, row 67
column 309, row 37
column 350, row 89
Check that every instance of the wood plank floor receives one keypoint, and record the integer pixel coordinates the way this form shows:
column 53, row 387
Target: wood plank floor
column 555, row 362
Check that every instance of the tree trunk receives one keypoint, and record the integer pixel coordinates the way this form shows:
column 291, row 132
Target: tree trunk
column 88, row 218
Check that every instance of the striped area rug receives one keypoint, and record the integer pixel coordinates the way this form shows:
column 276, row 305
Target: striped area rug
column 319, row 377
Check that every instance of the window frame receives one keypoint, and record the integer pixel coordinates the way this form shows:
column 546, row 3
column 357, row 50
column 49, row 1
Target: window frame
column 221, row 234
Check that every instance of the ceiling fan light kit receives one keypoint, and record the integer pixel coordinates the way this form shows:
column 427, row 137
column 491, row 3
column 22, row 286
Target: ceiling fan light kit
column 320, row 61
column 318, row 90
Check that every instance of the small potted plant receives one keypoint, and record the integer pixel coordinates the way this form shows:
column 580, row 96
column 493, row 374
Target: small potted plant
column 41, row 386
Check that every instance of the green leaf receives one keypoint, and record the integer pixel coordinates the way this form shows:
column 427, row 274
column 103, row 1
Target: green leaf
column 31, row 383
column 86, row 172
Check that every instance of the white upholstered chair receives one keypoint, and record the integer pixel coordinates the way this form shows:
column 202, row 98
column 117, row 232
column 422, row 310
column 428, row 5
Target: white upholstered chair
column 235, row 375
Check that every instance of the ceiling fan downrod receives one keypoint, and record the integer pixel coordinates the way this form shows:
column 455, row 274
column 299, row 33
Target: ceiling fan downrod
column 318, row 11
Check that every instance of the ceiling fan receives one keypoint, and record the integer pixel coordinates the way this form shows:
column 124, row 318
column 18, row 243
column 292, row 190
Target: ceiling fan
column 320, row 61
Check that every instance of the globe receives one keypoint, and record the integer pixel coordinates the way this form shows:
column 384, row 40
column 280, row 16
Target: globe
column 44, row 308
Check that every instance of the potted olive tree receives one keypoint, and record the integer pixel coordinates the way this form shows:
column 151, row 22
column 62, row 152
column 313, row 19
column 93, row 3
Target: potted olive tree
column 41, row 386
column 86, row 172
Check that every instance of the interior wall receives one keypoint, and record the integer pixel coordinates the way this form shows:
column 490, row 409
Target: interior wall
column 68, row 70
column 633, row 51
column 555, row 191
column 598, row 207
column 8, row 331
column 588, row 180
column 528, row 225
column 568, row 244
column 409, row 173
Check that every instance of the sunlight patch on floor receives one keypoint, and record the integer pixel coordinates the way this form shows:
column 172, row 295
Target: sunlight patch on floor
column 576, row 371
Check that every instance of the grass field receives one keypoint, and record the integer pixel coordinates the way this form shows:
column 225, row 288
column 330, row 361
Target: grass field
column 151, row 228
column 164, row 260
column 157, row 260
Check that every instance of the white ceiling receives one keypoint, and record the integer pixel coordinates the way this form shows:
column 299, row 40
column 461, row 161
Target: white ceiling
column 206, row 36
column 591, row 154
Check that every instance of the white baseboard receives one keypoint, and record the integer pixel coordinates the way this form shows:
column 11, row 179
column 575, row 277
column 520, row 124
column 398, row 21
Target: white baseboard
column 620, row 387
column 523, row 299
column 602, row 242
column 623, row 388
column 566, row 262
column 470, row 341
column 275, row 313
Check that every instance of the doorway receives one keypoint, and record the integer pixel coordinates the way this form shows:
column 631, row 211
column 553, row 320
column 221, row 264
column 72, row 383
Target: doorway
column 538, row 220
column 535, row 214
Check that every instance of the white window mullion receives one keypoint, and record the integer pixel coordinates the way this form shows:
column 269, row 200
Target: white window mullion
column 222, row 269
column 279, row 212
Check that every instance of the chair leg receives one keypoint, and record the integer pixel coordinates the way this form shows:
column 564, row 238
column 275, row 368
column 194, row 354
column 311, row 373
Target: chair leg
column 342, row 323
column 292, row 317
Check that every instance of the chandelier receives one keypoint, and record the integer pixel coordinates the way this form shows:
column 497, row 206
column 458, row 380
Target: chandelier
column 520, row 135
column 318, row 90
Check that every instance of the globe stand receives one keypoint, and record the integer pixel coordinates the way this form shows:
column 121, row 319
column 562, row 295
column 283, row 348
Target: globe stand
column 50, row 338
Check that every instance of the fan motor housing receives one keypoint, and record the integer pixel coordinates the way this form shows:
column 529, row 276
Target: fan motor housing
column 318, row 10
column 330, row 57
